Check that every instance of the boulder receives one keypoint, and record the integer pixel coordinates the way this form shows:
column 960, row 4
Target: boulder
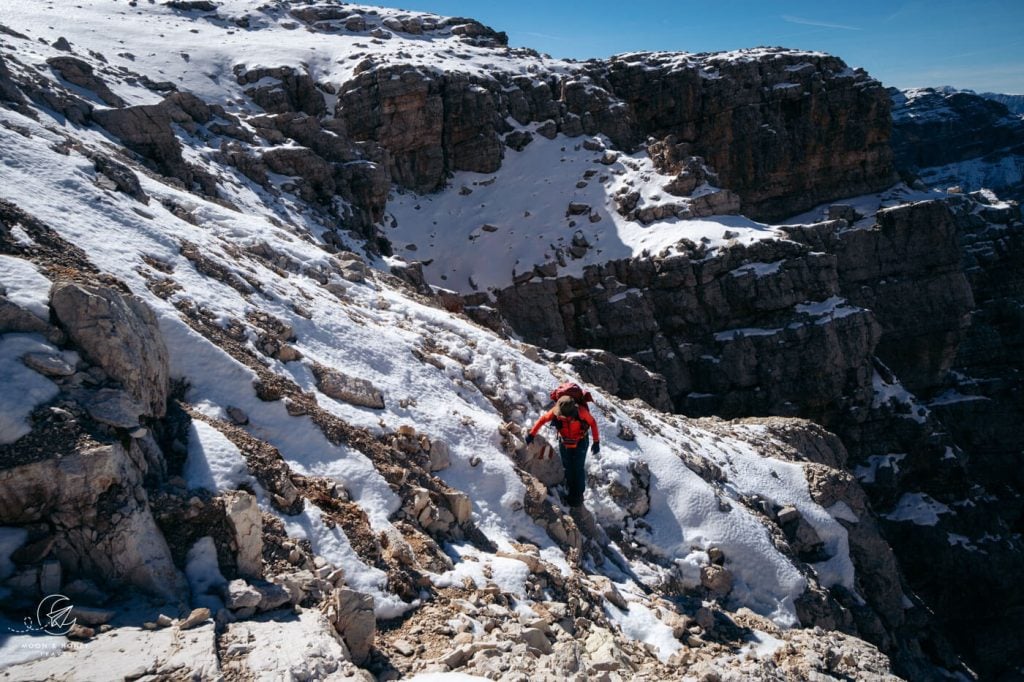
column 352, row 390
column 80, row 73
column 298, row 647
column 128, row 549
column 115, row 408
column 246, row 522
column 351, row 613
column 241, row 595
column 118, row 332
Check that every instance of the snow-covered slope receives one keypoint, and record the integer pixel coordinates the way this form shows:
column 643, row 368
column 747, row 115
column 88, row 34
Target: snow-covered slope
column 679, row 511
column 370, row 331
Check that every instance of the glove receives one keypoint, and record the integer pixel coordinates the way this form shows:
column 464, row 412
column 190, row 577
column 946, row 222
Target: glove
column 529, row 439
column 595, row 448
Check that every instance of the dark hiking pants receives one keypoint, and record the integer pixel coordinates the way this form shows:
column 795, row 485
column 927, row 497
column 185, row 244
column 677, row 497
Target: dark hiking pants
column 574, row 462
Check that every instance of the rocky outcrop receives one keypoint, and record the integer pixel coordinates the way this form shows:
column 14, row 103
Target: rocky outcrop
column 430, row 124
column 784, row 130
column 934, row 131
column 292, row 91
column 769, row 149
column 731, row 334
column 906, row 270
column 887, row 616
column 772, row 328
column 118, row 332
column 80, row 73
column 93, row 498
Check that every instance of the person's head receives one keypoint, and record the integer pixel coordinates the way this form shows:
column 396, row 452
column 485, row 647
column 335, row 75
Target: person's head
column 566, row 407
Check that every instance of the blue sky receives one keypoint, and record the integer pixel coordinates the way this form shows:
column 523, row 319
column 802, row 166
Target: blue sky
column 977, row 44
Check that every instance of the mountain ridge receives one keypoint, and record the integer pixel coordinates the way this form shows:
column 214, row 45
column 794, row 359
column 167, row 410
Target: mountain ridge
column 313, row 375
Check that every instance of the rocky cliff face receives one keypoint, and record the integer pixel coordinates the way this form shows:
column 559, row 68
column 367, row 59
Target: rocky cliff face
column 299, row 366
column 832, row 326
column 959, row 138
column 785, row 131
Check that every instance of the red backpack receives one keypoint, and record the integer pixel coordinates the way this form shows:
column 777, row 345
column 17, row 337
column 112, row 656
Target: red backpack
column 573, row 391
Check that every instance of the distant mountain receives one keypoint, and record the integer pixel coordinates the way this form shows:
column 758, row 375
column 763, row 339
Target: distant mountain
column 952, row 137
column 1015, row 103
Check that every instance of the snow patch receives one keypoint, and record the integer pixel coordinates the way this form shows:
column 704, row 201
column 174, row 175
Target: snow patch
column 21, row 389
column 25, row 285
column 640, row 623
column 919, row 509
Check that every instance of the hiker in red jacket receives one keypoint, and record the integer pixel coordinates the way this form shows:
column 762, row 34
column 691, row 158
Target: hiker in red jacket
column 572, row 420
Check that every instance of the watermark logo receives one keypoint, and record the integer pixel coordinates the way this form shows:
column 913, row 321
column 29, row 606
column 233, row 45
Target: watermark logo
column 53, row 616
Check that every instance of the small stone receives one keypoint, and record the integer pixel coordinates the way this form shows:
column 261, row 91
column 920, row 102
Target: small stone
column 535, row 638
column 195, row 618
column 48, row 364
column 404, row 648
column 80, row 632
column 238, row 416
column 164, row 621
column 241, row 595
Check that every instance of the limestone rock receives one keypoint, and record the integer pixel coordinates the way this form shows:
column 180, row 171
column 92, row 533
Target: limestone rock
column 14, row 318
column 119, row 333
column 716, row 579
column 48, row 364
column 241, row 595
column 146, row 130
column 302, row 646
column 272, row 596
column 195, row 618
column 536, row 639
column 123, row 179
column 351, row 613
column 440, row 458
column 114, row 407
column 346, row 388
column 542, row 460
column 246, row 522
column 160, row 654
column 130, row 550
column 601, row 650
